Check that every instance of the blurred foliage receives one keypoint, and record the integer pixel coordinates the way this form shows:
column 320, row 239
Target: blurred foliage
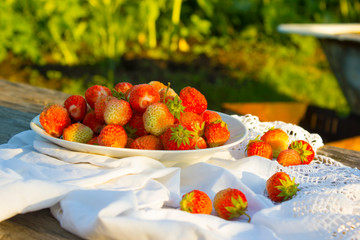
column 244, row 53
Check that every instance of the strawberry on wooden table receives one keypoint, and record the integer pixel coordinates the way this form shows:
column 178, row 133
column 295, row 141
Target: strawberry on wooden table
column 289, row 157
column 149, row 142
column 193, row 100
column 112, row 135
column 157, row 118
column 230, row 203
column 216, row 133
column 197, row 202
column 54, row 119
column 76, row 106
column 280, row 187
column 305, row 150
column 259, row 148
column 78, row 132
column 94, row 92
column 143, row 95
column 277, row 138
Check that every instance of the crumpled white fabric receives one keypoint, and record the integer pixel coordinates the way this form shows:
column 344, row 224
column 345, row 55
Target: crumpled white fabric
column 97, row 197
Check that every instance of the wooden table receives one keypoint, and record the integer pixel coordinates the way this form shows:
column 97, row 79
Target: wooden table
column 19, row 103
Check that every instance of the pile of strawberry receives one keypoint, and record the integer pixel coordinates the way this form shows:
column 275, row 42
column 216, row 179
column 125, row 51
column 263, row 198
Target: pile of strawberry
column 275, row 144
column 145, row 116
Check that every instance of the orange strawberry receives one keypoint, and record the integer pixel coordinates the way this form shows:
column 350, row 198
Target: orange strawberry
column 112, row 135
column 177, row 137
column 135, row 127
column 166, row 92
column 216, row 133
column 100, row 106
column 157, row 118
column 149, row 142
column 122, row 87
column 76, row 106
column 54, row 119
column 93, row 141
column 200, row 143
column 289, row 157
column 193, row 122
column 117, row 111
column 157, row 85
column 259, row 148
column 230, row 203
column 210, row 116
column 143, row 95
column 196, row 202
column 78, row 132
column 193, row 100
column 305, row 150
column 280, row 187
column 92, row 122
column 94, row 92
column 277, row 138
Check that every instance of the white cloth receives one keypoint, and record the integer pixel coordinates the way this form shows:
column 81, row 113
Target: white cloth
column 97, row 197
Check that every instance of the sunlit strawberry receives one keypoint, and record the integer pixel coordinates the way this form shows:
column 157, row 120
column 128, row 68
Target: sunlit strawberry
column 136, row 126
column 177, row 137
column 157, row 85
column 54, row 119
column 100, row 106
column 117, row 111
column 259, row 148
column 92, row 122
column 166, row 92
column 216, row 133
column 76, row 106
column 305, row 150
column 94, row 92
column 142, row 96
column 277, row 138
column 289, row 157
column 78, row 132
column 193, row 122
column 280, row 187
column 149, row 142
column 193, row 100
column 157, row 118
column 175, row 106
column 112, row 135
column 200, row 143
column 197, row 202
column 93, row 140
column 210, row 116
column 123, row 86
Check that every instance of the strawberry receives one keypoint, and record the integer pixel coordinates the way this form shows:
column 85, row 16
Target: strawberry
column 149, row 142
column 210, row 116
column 280, row 187
column 277, row 138
column 93, row 141
column 216, row 133
column 259, row 148
column 135, row 127
column 142, row 96
column 166, row 92
column 193, row 122
column 305, row 150
column 196, row 202
column 129, row 142
column 122, row 87
column 177, row 137
column 157, row 85
column 92, row 122
column 78, row 132
column 100, row 106
column 94, row 92
column 230, row 203
column 112, row 135
column 193, row 100
column 76, row 106
column 289, row 157
column 54, row 119
column 200, row 143
column 157, row 118
column 117, row 111
column 174, row 105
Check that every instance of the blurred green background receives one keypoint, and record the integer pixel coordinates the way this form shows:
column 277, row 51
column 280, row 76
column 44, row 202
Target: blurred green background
column 229, row 49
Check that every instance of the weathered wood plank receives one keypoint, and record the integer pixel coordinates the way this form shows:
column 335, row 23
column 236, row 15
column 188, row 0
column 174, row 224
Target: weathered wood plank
column 350, row 158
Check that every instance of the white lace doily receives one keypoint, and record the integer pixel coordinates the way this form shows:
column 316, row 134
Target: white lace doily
column 329, row 196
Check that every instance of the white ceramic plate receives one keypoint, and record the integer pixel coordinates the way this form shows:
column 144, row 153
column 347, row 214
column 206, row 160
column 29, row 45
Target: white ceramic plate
column 238, row 133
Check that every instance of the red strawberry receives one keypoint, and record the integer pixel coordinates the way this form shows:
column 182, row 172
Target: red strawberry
column 112, row 135
column 122, row 87
column 117, row 111
column 76, row 106
column 93, row 141
column 230, row 203
column 129, row 142
column 100, row 106
column 166, row 92
column 136, row 125
column 157, row 85
column 200, row 143
column 278, row 139
column 157, row 118
column 149, row 142
column 94, row 92
column 216, row 133
column 177, row 137
column 193, row 100
column 210, row 116
column 305, row 150
column 142, row 96
column 196, row 202
column 289, row 157
column 78, row 132
column 92, row 122
column 259, row 148
column 280, row 187
column 54, row 119
column 193, row 122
